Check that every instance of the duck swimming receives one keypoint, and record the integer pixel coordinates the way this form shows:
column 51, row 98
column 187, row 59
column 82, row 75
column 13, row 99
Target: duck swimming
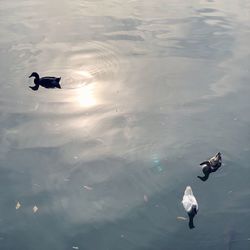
column 190, row 204
column 210, row 166
column 46, row 82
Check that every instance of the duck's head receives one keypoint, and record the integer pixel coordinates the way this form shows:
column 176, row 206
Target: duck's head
column 191, row 215
column 218, row 156
column 194, row 209
column 34, row 74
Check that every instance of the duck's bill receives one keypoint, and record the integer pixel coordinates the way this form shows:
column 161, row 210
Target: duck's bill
column 30, row 76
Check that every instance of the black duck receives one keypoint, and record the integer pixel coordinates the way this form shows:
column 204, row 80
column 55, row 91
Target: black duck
column 46, row 82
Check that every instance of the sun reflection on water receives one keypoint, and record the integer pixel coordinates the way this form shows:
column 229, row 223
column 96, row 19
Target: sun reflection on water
column 86, row 97
column 85, row 74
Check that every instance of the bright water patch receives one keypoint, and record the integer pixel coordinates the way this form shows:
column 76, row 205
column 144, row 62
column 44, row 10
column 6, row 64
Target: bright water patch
column 149, row 90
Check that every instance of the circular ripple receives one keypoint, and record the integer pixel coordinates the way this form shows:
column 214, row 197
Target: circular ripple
column 97, row 61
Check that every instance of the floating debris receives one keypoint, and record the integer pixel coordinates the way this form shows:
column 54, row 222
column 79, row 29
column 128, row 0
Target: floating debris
column 88, row 188
column 145, row 197
column 74, row 247
column 122, row 236
column 181, row 218
column 35, row 208
column 18, row 205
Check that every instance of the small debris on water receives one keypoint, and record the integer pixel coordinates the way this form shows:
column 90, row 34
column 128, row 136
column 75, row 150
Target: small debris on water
column 145, row 197
column 122, row 236
column 88, row 187
column 18, row 205
column 35, row 208
column 229, row 192
column 74, row 247
column 181, row 218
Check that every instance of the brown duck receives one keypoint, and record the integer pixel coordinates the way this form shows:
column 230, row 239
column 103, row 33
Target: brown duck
column 212, row 165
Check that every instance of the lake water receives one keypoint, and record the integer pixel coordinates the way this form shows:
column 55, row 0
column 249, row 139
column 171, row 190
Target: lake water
column 149, row 90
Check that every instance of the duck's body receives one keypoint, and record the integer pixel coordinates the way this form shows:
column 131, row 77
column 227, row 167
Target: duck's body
column 46, row 82
column 212, row 165
column 190, row 204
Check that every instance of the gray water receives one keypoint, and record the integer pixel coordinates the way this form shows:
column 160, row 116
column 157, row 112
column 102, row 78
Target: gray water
column 149, row 90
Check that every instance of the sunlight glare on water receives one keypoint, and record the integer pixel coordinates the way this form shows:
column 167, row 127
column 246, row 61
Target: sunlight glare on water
column 149, row 90
column 86, row 96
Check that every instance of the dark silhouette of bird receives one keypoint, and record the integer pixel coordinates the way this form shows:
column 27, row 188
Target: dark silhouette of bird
column 212, row 165
column 190, row 204
column 46, row 82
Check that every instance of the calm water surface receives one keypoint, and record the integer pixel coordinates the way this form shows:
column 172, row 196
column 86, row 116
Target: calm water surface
column 149, row 90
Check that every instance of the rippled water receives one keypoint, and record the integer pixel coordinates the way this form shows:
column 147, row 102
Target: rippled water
column 149, row 90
